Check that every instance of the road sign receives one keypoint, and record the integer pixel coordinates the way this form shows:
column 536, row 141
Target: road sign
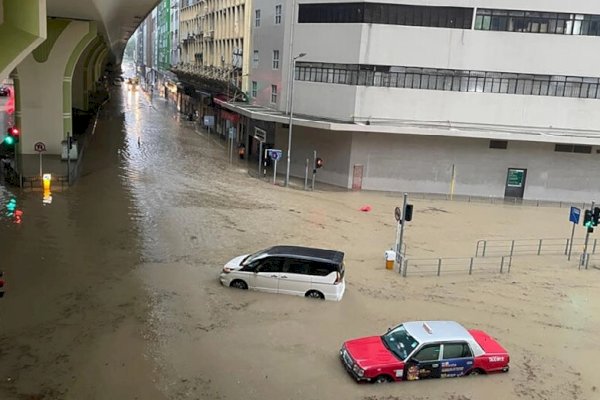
column 275, row 154
column 209, row 120
column 39, row 147
column 574, row 215
column 398, row 214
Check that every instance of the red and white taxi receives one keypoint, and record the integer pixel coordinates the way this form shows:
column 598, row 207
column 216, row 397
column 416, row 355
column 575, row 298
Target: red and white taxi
column 423, row 349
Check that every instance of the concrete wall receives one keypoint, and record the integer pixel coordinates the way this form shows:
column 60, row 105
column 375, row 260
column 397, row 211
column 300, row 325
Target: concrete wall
column 333, row 147
column 454, row 49
column 480, row 108
column 266, row 38
column 419, row 164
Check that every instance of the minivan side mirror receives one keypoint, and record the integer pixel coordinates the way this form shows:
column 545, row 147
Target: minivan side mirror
column 389, row 329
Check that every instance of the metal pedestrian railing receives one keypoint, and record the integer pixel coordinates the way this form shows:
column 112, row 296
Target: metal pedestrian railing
column 496, row 248
column 470, row 265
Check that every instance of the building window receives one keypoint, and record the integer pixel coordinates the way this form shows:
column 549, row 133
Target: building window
column 573, row 148
column 255, row 59
column 449, row 80
column 278, row 14
column 275, row 59
column 389, row 14
column 537, row 22
column 254, row 89
column 257, row 18
column 273, row 93
column 499, row 144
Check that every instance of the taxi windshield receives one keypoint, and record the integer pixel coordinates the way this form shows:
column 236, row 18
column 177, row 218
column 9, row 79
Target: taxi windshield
column 399, row 342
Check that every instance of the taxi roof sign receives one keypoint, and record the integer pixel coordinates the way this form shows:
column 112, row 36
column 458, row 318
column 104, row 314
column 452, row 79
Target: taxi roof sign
column 427, row 328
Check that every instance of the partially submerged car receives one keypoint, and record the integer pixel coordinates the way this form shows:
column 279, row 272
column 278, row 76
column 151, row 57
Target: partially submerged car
column 423, row 349
column 296, row 270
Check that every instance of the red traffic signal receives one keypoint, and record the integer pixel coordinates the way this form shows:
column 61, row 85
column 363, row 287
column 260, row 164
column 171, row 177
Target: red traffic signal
column 318, row 162
column 14, row 132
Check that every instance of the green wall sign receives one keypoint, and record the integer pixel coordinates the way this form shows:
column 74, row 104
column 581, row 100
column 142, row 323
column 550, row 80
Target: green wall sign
column 515, row 177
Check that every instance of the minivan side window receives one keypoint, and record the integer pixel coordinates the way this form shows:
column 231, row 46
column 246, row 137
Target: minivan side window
column 293, row 266
column 320, row 269
column 270, row 264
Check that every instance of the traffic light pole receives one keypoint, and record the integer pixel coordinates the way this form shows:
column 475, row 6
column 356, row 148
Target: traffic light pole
column 306, row 174
column 399, row 255
column 314, row 170
column 585, row 256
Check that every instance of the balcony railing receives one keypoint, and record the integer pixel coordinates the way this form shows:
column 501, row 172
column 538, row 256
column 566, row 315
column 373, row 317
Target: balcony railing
column 226, row 74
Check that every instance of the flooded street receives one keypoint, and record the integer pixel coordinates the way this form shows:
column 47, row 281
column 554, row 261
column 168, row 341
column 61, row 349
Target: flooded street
column 113, row 289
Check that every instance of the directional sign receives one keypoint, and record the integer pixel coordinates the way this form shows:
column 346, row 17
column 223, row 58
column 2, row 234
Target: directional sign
column 574, row 215
column 39, row 147
column 275, row 154
column 209, row 120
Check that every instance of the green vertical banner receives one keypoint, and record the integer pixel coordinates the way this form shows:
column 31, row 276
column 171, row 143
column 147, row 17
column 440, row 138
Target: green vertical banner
column 164, row 35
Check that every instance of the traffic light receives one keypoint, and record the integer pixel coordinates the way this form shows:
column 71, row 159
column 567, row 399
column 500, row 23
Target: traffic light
column 596, row 216
column 318, row 163
column 587, row 218
column 408, row 212
column 13, row 136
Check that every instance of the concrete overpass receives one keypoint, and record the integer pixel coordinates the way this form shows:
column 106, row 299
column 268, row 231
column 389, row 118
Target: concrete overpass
column 55, row 51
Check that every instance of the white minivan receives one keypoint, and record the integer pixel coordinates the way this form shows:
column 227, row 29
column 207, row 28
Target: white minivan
column 300, row 271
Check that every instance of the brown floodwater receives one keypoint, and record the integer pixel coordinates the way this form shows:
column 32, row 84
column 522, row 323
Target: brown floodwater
column 113, row 293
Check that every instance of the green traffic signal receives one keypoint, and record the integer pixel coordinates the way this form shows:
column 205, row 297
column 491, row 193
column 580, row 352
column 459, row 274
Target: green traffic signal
column 9, row 140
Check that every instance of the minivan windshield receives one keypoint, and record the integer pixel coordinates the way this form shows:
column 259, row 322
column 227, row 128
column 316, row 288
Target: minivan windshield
column 252, row 257
column 399, row 342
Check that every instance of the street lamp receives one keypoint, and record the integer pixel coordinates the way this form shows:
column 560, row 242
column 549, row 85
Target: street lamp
column 291, row 84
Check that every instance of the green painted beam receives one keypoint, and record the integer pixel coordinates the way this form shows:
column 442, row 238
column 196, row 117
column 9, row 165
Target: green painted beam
column 24, row 15
column 23, row 29
column 55, row 29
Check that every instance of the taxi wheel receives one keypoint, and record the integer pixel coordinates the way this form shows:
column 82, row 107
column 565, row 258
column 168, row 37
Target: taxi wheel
column 382, row 379
column 238, row 284
column 476, row 371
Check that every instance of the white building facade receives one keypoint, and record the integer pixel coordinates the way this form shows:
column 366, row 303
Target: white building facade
column 475, row 97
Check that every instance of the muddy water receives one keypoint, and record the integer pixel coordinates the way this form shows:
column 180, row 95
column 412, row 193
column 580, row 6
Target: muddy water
column 113, row 290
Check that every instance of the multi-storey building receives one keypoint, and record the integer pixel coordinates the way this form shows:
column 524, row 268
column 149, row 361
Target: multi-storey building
column 175, row 45
column 140, row 57
column 475, row 97
column 214, row 47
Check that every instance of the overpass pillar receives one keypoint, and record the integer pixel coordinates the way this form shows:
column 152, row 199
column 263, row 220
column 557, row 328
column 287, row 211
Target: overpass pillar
column 43, row 84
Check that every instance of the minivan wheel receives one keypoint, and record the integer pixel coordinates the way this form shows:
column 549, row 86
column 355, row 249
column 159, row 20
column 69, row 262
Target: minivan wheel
column 313, row 294
column 238, row 284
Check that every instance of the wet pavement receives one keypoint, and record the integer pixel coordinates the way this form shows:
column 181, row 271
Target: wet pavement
column 113, row 293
